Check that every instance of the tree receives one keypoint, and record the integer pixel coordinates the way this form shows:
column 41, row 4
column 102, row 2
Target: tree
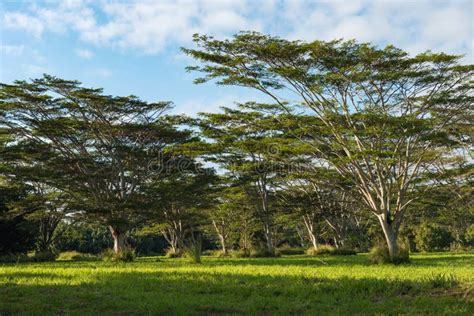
column 241, row 144
column 101, row 150
column 182, row 202
column 17, row 233
column 384, row 118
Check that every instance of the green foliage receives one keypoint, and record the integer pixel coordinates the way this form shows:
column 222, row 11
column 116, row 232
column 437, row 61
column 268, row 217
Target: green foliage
column 239, row 253
column 103, row 150
column 330, row 250
column 43, row 256
column 262, row 253
column 432, row 237
column 288, row 251
column 126, row 255
column 469, row 235
column 173, row 254
column 376, row 115
column 379, row 254
column 14, row 258
column 18, row 233
column 193, row 250
column 84, row 238
column 76, row 256
column 321, row 250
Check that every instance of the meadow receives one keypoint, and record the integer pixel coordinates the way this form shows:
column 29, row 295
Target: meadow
column 431, row 284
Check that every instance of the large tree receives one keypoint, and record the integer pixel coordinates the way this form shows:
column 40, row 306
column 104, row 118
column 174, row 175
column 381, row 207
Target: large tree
column 384, row 118
column 101, row 150
column 241, row 143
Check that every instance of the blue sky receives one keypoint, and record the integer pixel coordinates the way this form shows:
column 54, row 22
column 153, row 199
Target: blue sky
column 133, row 47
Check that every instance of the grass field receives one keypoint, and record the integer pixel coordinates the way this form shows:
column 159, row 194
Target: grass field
column 431, row 284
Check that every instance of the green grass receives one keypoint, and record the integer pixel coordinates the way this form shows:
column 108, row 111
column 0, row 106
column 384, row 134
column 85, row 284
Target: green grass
column 431, row 284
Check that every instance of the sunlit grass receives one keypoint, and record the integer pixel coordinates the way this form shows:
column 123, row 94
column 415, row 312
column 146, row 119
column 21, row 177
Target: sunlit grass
column 432, row 283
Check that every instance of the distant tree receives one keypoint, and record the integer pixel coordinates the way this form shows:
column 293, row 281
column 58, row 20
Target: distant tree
column 241, row 143
column 432, row 237
column 101, row 150
column 384, row 118
column 182, row 203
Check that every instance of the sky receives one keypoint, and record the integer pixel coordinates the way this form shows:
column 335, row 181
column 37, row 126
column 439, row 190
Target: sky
column 133, row 47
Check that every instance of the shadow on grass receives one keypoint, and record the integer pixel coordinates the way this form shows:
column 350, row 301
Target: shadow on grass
column 191, row 292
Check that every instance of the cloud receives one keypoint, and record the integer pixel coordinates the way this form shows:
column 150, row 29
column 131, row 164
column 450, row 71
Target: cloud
column 102, row 72
column 12, row 50
column 84, row 53
column 150, row 27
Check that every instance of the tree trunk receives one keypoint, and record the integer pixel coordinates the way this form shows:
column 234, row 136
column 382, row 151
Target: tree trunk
column 220, row 230
column 310, row 230
column 390, row 235
column 224, row 248
column 269, row 239
column 119, row 237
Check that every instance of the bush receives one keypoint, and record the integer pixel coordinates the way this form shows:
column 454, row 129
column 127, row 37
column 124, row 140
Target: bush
column 431, row 237
column 193, row 249
column 14, row 258
column 173, row 254
column 330, row 250
column 126, row 255
column 43, row 256
column 262, row 253
column 321, row 250
column 215, row 253
column 469, row 236
column 75, row 256
column 239, row 254
column 287, row 250
column 343, row 252
column 380, row 255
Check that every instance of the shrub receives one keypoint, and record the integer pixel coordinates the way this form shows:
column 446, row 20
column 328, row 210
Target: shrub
column 330, row 250
column 380, row 255
column 262, row 253
column 75, row 256
column 287, row 250
column 126, row 255
column 43, row 256
column 173, row 254
column 214, row 253
column 239, row 253
column 193, row 250
column 321, row 250
column 431, row 237
column 469, row 236
column 343, row 252
column 14, row 258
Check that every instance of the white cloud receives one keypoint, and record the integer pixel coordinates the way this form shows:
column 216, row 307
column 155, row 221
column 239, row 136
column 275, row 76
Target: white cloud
column 152, row 26
column 102, row 72
column 11, row 50
column 84, row 53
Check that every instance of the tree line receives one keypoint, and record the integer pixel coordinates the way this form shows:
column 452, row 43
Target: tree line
column 357, row 143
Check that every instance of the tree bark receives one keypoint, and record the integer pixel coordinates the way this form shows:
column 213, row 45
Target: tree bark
column 269, row 239
column 309, row 224
column 220, row 230
column 119, row 236
column 390, row 235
